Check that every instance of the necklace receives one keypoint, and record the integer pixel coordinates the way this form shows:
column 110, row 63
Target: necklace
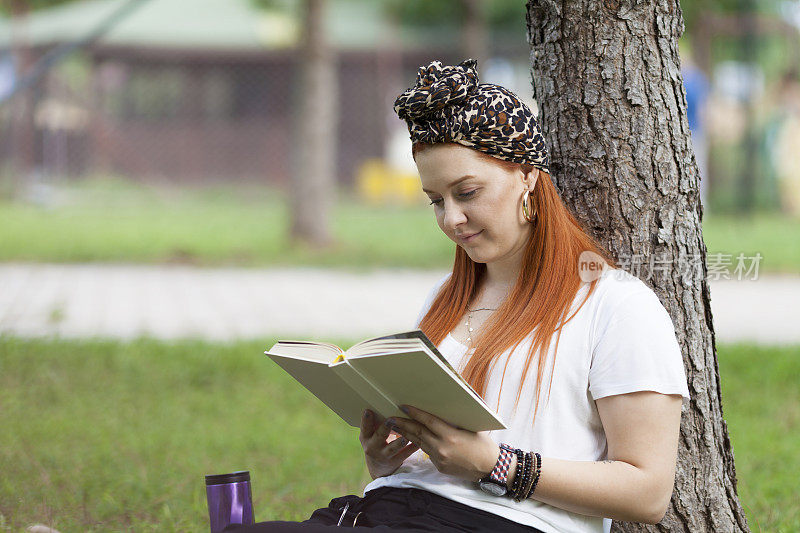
column 469, row 319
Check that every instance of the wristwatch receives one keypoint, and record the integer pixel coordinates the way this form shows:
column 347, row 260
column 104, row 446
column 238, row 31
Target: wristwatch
column 495, row 482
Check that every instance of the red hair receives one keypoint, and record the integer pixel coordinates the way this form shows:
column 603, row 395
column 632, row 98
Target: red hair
column 542, row 295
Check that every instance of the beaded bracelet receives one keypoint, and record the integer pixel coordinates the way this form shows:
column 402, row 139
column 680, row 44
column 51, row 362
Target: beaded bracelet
column 529, row 480
column 515, row 488
column 527, row 490
column 526, row 475
column 536, row 475
column 526, row 479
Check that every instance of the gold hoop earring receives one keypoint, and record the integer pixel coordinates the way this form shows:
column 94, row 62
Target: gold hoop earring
column 530, row 218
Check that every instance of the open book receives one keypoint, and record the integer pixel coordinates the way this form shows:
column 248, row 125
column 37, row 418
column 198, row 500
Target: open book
column 382, row 374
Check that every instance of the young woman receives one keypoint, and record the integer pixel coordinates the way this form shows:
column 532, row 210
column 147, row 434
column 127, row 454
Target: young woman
column 579, row 358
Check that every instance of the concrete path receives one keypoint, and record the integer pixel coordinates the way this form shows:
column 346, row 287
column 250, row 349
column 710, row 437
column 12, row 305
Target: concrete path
column 171, row 302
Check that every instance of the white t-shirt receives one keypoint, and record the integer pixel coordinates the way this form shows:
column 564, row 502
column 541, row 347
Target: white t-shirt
column 622, row 340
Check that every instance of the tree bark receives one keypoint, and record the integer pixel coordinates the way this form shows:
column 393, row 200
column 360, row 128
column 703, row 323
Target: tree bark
column 314, row 176
column 606, row 78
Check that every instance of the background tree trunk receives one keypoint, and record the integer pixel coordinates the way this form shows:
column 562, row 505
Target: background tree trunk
column 23, row 132
column 314, row 169
column 475, row 32
column 606, row 78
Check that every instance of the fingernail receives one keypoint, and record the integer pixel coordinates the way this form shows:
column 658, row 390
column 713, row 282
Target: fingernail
column 366, row 413
column 403, row 441
column 390, row 422
column 404, row 409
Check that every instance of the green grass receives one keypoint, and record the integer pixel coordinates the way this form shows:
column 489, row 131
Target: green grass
column 104, row 435
column 116, row 221
column 113, row 221
column 761, row 405
column 774, row 236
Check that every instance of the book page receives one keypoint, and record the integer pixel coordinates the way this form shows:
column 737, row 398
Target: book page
column 377, row 348
column 416, row 378
column 373, row 398
column 322, row 382
column 409, row 336
column 322, row 352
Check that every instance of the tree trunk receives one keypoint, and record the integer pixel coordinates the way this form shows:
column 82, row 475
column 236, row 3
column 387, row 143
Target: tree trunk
column 607, row 81
column 475, row 31
column 314, row 183
column 23, row 136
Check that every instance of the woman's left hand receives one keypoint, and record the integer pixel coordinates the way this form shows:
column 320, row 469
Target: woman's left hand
column 453, row 451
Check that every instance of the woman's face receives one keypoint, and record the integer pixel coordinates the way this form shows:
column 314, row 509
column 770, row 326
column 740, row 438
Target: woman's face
column 477, row 202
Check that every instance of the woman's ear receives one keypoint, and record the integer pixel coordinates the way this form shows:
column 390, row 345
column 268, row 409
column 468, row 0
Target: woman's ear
column 531, row 178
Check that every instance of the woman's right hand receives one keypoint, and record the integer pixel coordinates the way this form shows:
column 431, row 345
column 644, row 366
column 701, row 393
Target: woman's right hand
column 382, row 457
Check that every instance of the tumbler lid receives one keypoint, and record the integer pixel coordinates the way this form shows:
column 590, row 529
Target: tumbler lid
column 234, row 477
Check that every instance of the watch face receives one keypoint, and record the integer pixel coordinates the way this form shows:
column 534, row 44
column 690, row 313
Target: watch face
column 493, row 488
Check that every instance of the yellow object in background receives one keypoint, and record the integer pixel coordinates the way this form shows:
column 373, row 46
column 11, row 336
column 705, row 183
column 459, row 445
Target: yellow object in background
column 379, row 184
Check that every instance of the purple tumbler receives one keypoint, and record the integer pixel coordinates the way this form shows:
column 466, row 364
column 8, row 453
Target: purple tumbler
column 229, row 500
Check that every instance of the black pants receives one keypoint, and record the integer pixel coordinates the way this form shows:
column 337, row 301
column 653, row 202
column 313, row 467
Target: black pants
column 394, row 509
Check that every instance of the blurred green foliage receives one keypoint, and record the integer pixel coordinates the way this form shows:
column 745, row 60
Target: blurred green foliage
column 7, row 7
column 500, row 13
column 692, row 9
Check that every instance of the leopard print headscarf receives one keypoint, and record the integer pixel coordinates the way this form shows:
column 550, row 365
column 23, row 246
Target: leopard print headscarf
column 447, row 104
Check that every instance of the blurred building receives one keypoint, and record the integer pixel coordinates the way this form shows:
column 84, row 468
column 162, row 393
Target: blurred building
column 204, row 90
